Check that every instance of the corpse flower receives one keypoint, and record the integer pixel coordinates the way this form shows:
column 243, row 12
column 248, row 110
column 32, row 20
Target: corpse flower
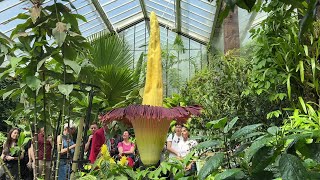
column 151, row 121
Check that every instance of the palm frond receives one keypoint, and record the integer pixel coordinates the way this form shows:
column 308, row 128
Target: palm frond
column 109, row 49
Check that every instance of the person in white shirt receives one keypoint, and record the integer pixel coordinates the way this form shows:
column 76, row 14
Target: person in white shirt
column 172, row 142
column 185, row 146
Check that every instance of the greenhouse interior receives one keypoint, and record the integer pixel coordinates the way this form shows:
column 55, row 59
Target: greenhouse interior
column 159, row 89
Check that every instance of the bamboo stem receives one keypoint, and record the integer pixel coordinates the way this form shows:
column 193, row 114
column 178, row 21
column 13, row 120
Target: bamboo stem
column 43, row 174
column 36, row 137
column 19, row 169
column 6, row 169
column 77, row 149
column 60, row 147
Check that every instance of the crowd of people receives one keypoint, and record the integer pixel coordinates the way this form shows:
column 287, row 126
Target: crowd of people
column 178, row 145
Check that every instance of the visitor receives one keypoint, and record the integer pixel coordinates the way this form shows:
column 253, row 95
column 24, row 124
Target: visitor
column 27, row 163
column 67, row 150
column 98, row 139
column 126, row 148
column 173, row 141
column 87, row 147
column 9, row 157
column 44, row 164
column 184, row 147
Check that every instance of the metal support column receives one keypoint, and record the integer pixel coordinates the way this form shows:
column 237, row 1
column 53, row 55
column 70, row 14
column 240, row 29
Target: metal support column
column 103, row 15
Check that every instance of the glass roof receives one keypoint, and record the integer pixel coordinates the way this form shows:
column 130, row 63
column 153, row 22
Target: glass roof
column 128, row 16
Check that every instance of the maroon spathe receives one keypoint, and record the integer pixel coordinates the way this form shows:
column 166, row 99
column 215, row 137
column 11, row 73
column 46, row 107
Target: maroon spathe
column 132, row 112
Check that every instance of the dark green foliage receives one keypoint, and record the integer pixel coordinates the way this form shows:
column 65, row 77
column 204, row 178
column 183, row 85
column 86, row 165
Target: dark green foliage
column 211, row 165
column 7, row 105
column 111, row 68
column 219, row 87
column 291, row 168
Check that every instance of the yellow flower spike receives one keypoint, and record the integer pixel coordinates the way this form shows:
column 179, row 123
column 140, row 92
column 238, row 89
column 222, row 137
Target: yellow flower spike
column 153, row 89
column 111, row 161
column 104, row 151
column 87, row 167
column 123, row 161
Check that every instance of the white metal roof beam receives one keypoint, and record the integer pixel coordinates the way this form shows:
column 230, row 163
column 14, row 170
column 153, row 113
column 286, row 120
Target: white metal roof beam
column 103, row 15
column 248, row 26
column 215, row 21
column 145, row 14
column 178, row 16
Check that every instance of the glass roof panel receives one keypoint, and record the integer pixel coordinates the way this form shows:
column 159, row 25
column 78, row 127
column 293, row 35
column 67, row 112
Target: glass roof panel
column 92, row 30
column 197, row 18
column 248, row 21
column 9, row 10
column 120, row 10
column 136, row 36
column 163, row 9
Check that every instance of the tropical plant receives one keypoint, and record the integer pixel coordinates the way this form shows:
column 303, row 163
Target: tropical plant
column 48, row 43
column 219, row 87
column 285, row 70
column 6, row 106
column 109, row 168
column 251, row 153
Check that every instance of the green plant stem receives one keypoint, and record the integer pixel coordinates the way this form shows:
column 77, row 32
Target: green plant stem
column 6, row 169
column 227, row 150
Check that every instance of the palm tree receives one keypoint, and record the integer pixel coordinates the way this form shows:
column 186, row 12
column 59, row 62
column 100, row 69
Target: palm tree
column 111, row 61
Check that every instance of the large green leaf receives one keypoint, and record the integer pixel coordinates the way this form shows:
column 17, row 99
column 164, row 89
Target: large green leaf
column 220, row 123
column 21, row 139
column 227, row 174
column 33, row 82
column 65, row 89
column 69, row 52
column 211, row 165
column 115, row 83
column 59, row 33
column 289, row 85
column 14, row 61
column 303, row 105
column 291, row 168
column 111, row 68
column 245, row 130
column 6, row 94
column 74, row 66
column 209, row 144
column 109, row 49
column 246, row 4
column 255, row 146
column 263, row 158
column 301, row 69
column 230, row 125
column 273, row 130
column 306, row 22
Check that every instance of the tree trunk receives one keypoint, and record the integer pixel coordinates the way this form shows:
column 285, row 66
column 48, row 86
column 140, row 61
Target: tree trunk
column 231, row 31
